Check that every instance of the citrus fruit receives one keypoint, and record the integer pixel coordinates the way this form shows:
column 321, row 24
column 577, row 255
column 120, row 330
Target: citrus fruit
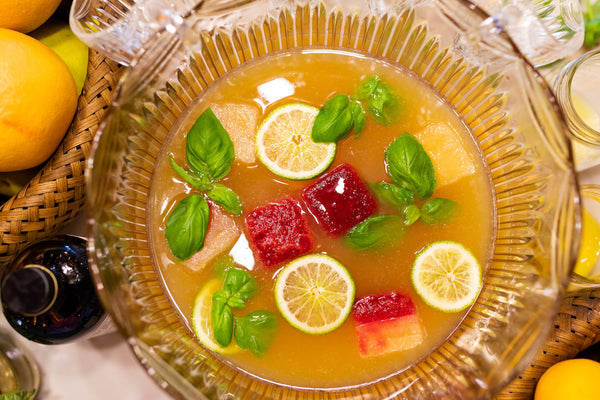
column 202, row 320
column 57, row 35
column 315, row 293
column 38, row 99
column 446, row 276
column 284, row 144
column 590, row 245
column 575, row 379
column 25, row 16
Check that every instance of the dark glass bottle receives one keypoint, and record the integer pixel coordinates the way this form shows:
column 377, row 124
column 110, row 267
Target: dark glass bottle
column 48, row 295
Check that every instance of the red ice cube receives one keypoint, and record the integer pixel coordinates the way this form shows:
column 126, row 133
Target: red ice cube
column 386, row 323
column 339, row 200
column 278, row 231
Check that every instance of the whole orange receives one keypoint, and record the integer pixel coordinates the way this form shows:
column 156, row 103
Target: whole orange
column 576, row 379
column 25, row 16
column 38, row 99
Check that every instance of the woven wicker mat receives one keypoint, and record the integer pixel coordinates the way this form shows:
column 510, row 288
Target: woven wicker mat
column 576, row 327
column 56, row 194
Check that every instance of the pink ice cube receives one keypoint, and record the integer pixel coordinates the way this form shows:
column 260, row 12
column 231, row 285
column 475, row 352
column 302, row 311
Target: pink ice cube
column 339, row 200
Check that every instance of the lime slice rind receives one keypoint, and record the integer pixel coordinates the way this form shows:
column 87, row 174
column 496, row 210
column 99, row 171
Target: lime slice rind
column 284, row 144
column 447, row 276
column 201, row 319
column 315, row 315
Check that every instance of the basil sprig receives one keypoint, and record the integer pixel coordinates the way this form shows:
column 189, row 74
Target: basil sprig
column 343, row 113
column 210, row 154
column 413, row 176
column 254, row 331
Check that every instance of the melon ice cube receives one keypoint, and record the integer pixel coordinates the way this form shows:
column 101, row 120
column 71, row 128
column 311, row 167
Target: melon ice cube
column 339, row 200
column 278, row 231
column 446, row 148
column 221, row 235
column 240, row 121
column 386, row 323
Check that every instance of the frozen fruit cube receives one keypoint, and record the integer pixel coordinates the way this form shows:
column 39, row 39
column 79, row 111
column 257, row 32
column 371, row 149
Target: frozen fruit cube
column 386, row 323
column 447, row 150
column 221, row 235
column 339, row 200
column 240, row 121
column 278, row 231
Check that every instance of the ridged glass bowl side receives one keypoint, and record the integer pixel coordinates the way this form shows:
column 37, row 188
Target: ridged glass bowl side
column 503, row 101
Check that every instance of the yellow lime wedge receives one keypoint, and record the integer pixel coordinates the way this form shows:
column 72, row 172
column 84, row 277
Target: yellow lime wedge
column 202, row 321
column 315, row 293
column 446, row 276
column 284, row 144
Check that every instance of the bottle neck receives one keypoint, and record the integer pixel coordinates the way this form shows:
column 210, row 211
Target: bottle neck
column 29, row 291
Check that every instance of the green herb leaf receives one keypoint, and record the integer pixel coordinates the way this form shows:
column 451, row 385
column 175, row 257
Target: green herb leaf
column 197, row 179
column 187, row 225
column 18, row 395
column 438, row 210
column 376, row 232
column 221, row 265
column 241, row 285
column 410, row 167
column 334, row 120
column 226, row 197
column 382, row 104
column 392, row 195
column 359, row 117
column 209, row 149
column 256, row 331
column 411, row 214
column 222, row 318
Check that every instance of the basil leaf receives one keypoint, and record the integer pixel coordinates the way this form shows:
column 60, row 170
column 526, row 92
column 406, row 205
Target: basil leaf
column 256, row 331
column 18, row 395
column 225, row 197
column 197, row 179
column 392, row 195
column 367, row 87
column 187, row 225
column 382, row 104
column 411, row 214
column 438, row 210
column 334, row 120
column 209, row 149
column 376, row 232
column 222, row 319
column 359, row 117
column 222, row 265
column 410, row 167
column 241, row 285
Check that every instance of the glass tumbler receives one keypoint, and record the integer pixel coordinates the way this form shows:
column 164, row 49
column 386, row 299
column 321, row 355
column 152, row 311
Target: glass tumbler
column 18, row 370
column 577, row 88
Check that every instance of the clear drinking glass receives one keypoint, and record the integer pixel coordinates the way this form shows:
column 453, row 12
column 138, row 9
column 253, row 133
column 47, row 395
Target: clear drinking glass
column 577, row 88
column 18, row 369
column 474, row 65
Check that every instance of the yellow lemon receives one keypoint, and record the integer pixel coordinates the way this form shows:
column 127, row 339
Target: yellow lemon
column 575, row 379
column 38, row 99
column 589, row 252
column 25, row 16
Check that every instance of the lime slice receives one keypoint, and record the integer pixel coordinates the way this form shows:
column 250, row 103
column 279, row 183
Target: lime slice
column 202, row 321
column 284, row 144
column 315, row 293
column 446, row 276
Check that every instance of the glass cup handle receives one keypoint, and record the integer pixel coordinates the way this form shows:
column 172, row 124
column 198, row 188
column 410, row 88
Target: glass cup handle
column 589, row 252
